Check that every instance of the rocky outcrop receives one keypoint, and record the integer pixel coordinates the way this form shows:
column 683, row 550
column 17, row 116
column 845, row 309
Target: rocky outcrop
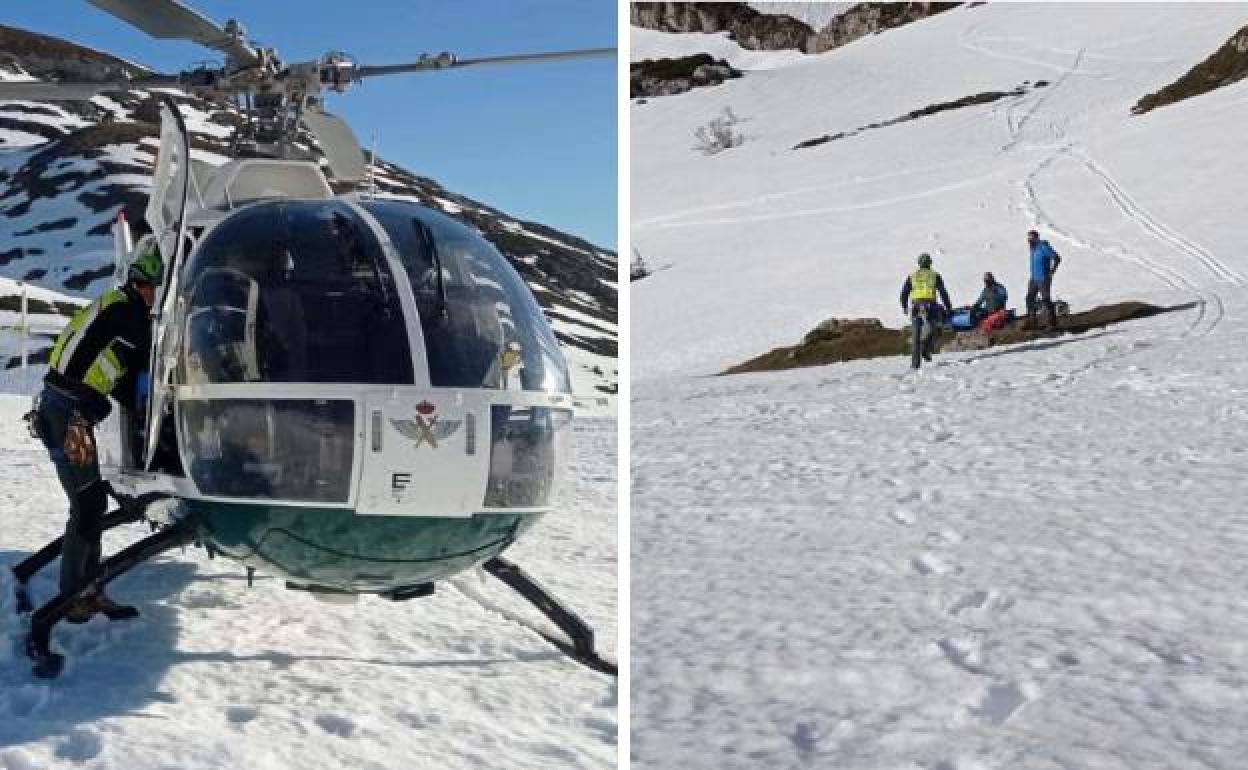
column 751, row 29
column 1229, row 64
column 986, row 97
column 839, row 340
column 49, row 58
column 663, row 77
column 765, row 32
column 836, row 328
column 869, row 18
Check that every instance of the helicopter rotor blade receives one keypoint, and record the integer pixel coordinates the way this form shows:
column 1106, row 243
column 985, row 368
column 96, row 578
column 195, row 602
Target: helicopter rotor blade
column 40, row 91
column 338, row 142
column 171, row 20
column 447, row 61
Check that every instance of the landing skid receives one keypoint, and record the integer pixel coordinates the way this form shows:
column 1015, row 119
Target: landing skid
column 48, row 664
column 131, row 509
column 581, row 647
column 578, row 645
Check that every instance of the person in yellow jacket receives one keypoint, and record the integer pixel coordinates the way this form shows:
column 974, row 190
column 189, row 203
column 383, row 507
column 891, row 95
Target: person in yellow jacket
column 920, row 291
column 103, row 351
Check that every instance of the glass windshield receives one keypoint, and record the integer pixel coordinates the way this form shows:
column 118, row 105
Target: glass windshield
column 293, row 291
column 528, row 449
column 482, row 326
column 271, row 449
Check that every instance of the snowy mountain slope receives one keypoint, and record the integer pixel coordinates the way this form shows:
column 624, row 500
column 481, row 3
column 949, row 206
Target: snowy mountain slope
column 814, row 15
column 651, row 44
column 216, row 674
column 1026, row 557
column 67, row 169
column 963, row 184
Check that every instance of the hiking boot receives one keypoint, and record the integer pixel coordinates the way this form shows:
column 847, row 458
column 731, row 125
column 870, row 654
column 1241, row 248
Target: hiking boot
column 87, row 607
column 112, row 610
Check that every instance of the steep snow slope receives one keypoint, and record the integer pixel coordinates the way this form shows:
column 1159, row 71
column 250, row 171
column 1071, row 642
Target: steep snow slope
column 1027, row 557
column 651, row 44
column 792, row 236
column 216, row 674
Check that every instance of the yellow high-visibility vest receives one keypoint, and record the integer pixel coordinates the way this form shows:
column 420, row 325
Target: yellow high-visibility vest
column 923, row 284
column 104, row 372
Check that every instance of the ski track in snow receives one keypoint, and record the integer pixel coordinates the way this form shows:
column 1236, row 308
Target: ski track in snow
column 218, row 675
column 1027, row 557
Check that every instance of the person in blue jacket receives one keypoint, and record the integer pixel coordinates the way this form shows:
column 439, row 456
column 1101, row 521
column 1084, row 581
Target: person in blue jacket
column 1044, row 262
column 993, row 298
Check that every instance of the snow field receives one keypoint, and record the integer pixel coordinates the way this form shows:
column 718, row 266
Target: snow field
column 1028, row 557
column 218, row 675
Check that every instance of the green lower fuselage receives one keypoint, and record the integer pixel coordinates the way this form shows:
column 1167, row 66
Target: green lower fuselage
column 336, row 549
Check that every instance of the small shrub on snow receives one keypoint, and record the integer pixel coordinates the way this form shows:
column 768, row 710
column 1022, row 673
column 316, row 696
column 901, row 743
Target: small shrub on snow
column 719, row 133
column 638, row 269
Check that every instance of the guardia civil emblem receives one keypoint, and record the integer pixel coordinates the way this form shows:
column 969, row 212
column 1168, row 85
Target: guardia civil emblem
column 427, row 427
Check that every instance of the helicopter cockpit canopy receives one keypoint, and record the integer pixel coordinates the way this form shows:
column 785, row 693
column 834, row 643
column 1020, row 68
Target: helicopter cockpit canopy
column 473, row 306
column 300, row 319
column 303, row 292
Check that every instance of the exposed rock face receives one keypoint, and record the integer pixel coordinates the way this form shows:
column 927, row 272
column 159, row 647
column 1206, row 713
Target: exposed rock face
column 48, row 58
column 835, row 328
column 662, row 77
column 751, row 29
column 764, row 32
column 1227, row 65
column 834, row 341
column 869, row 18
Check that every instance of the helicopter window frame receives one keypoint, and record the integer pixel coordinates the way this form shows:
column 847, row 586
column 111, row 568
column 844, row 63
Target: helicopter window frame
column 470, row 269
column 217, row 395
column 329, row 342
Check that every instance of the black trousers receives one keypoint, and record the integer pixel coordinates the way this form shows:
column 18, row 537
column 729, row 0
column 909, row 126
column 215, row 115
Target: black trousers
column 85, row 490
column 1044, row 289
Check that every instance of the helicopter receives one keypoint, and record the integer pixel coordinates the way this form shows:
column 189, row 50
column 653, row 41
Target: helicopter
column 358, row 395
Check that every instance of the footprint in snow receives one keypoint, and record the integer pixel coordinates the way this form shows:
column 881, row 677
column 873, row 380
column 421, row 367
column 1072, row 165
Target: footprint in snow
column 1002, row 700
column 903, row 517
column 977, row 601
column 944, row 536
column 966, row 654
column 80, row 745
column 927, row 564
column 336, row 725
column 241, row 715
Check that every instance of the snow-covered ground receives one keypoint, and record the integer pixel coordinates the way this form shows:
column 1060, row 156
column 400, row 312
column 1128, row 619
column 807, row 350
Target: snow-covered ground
column 814, row 15
column 650, row 44
column 217, row 675
column 1025, row 557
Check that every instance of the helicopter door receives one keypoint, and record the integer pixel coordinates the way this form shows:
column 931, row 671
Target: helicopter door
column 166, row 210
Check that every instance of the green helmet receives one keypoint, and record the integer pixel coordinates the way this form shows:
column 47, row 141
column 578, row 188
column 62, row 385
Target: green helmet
column 147, row 267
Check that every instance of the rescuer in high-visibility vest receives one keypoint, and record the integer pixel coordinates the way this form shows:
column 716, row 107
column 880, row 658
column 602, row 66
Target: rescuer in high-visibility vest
column 920, row 291
column 102, row 352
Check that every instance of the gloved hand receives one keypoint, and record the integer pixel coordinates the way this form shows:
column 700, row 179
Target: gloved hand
column 143, row 390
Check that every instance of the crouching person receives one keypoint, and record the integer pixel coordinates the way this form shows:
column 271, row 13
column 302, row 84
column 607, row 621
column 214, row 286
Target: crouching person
column 102, row 352
column 988, row 312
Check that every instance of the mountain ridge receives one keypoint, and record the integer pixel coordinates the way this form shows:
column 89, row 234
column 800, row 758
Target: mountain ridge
column 68, row 168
